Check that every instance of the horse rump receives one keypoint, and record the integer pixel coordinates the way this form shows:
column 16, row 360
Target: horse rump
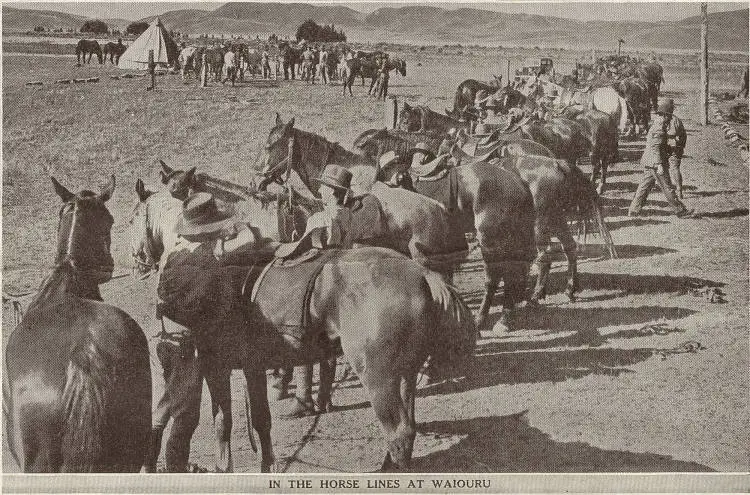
column 106, row 407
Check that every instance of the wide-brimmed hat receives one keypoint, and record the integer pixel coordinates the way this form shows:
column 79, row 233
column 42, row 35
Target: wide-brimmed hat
column 420, row 147
column 666, row 107
column 201, row 215
column 335, row 176
column 388, row 158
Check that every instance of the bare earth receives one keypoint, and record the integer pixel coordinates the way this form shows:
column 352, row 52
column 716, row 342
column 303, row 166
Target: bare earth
column 578, row 388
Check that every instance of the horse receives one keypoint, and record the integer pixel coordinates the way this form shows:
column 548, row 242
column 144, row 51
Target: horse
column 189, row 59
column 422, row 119
column 89, row 47
column 489, row 200
column 77, row 389
column 466, row 93
column 603, row 136
column 114, row 50
column 635, row 91
column 558, row 191
column 388, row 312
column 292, row 56
column 605, row 99
column 564, row 137
column 214, row 61
column 653, row 74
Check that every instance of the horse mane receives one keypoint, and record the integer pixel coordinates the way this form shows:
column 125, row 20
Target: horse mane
column 65, row 279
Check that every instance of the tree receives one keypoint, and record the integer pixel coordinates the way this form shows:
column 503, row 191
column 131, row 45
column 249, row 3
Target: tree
column 94, row 26
column 312, row 32
column 136, row 28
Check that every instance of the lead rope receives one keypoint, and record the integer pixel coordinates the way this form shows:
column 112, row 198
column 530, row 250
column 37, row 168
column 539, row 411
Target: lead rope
column 289, row 207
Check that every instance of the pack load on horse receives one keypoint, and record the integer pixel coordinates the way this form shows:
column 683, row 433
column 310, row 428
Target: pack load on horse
column 77, row 379
column 88, row 47
column 399, row 314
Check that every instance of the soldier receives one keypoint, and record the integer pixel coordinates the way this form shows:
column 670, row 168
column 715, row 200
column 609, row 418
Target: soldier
column 676, row 140
column 653, row 161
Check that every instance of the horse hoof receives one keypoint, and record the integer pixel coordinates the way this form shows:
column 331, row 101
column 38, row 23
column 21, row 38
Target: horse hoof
column 571, row 296
column 327, row 407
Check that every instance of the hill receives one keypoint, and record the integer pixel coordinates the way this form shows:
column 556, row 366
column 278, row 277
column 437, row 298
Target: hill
column 22, row 20
column 429, row 25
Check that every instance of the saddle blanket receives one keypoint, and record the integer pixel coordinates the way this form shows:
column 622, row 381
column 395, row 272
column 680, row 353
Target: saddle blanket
column 281, row 295
column 443, row 188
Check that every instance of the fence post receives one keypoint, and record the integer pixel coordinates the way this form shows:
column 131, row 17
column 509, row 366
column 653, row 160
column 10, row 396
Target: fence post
column 391, row 112
column 704, row 63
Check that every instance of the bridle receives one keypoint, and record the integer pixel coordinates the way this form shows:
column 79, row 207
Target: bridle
column 284, row 167
column 69, row 256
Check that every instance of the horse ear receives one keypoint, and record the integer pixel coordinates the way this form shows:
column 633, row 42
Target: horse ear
column 166, row 169
column 108, row 189
column 141, row 191
column 407, row 106
column 62, row 191
column 189, row 175
column 290, row 124
column 278, row 120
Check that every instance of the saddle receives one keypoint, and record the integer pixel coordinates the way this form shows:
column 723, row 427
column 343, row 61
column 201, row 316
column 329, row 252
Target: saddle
column 281, row 292
column 427, row 169
column 442, row 187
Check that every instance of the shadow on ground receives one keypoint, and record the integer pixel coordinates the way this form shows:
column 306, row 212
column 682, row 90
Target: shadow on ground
column 501, row 444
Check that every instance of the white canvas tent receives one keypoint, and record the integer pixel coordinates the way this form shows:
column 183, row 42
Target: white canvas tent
column 154, row 38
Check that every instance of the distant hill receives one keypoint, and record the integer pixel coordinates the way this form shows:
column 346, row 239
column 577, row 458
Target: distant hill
column 430, row 25
column 22, row 20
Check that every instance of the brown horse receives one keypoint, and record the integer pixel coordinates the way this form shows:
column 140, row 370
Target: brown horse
column 114, row 51
column 88, row 47
column 489, row 200
column 559, row 192
column 423, row 119
column 78, row 381
column 467, row 91
column 388, row 312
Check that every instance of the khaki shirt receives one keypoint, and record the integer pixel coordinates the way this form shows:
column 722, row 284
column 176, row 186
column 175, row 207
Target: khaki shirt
column 676, row 136
column 655, row 153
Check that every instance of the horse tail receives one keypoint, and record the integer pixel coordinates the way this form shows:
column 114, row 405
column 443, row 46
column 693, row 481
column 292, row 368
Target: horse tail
column 85, row 400
column 455, row 332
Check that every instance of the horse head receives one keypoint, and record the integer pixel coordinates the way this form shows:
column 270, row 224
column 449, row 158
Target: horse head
column 409, row 119
column 276, row 151
column 84, row 231
column 152, row 227
column 179, row 183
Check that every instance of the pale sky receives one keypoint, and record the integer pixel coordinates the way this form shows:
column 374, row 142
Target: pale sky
column 633, row 10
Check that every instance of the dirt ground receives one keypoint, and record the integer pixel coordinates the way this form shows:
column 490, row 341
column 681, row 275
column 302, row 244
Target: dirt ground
column 580, row 387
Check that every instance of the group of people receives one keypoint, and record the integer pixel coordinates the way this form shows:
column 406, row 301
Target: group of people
column 212, row 238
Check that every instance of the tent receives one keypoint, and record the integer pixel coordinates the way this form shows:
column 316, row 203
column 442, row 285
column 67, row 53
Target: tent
column 154, row 38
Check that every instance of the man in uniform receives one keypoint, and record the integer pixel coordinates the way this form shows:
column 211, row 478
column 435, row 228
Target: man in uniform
column 654, row 162
column 676, row 140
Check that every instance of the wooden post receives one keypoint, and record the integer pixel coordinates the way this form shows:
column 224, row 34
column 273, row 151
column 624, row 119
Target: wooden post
column 151, row 70
column 204, row 71
column 704, row 63
column 391, row 112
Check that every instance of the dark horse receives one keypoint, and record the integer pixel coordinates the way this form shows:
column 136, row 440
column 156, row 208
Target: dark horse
column 114, row 50
column 387, row 311
column 559, row 192
column 423, row 119
column 78, row 388
column 368, row 67
column 214, row 62
column 489, row 200
column 89, row 47
column 467, row 91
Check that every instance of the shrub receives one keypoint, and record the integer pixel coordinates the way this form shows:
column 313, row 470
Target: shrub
column 136, row 28
column 94, row 26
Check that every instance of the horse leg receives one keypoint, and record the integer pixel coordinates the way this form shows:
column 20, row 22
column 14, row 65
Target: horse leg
column 327, row 375
column 217, row 378
column 543, row 260
column 490, row 287
column 261, row 416
column 283, row 378
column 569, row 246
column 385, row 396
column 303, row 405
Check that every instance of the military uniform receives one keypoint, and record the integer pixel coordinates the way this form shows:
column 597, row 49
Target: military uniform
column 676, row 140
column 653, row 160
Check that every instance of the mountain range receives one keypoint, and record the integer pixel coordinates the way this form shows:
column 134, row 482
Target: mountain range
column 425, row 25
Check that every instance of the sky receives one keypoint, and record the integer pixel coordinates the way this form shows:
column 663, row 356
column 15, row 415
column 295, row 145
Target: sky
column 633, row 10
